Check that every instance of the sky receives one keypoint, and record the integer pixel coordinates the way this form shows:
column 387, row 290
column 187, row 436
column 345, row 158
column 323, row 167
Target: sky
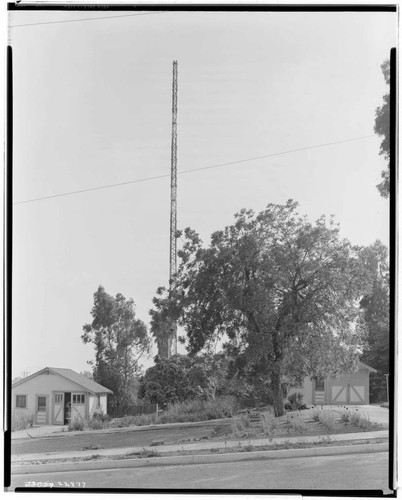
column 92, row 107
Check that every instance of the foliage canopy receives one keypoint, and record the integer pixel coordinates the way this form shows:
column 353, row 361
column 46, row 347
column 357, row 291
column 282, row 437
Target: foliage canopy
column 382, row 128
column 120, row 340
column 281, row 291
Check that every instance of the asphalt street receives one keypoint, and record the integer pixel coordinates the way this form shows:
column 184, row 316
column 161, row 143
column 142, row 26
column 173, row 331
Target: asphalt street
column 345, row 472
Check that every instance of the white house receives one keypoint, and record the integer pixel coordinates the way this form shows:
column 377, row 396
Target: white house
column 352, row 388
column 51, row 393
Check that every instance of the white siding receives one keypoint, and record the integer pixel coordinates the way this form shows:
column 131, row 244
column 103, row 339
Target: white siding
column 43, row 385
column 103, row 402
column 93, row 401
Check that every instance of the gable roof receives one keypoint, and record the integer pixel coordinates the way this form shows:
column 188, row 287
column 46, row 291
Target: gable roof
column 369, row 368
column 85, row 382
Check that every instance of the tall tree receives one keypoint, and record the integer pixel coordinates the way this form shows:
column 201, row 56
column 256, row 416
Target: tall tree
column 375, row 305
column 284, row 291
column 382, row 128
column 120, row 341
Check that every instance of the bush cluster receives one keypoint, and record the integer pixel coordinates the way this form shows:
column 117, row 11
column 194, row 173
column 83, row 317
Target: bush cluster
column 327, row 419
column 21, row 420
column 359, row 420
column 295, row 402
column 198, row 410
column 296, row 422
column 187, row 411
column 268, row 423
column 77, row 424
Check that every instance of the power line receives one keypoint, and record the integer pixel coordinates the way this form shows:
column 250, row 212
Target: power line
column 145, row 179
column 87, row 19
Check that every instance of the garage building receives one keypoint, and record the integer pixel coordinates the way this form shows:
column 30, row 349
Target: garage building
column 50, row 394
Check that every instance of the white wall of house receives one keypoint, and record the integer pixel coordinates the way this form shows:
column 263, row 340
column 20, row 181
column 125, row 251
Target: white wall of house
column 42, row 385
column 103, row 401
column 97, row 404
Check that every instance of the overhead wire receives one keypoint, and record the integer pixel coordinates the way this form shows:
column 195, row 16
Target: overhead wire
column 86, row 19
column 145, row 179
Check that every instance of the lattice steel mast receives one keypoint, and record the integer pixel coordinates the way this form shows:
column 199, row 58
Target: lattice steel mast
column 172, row 343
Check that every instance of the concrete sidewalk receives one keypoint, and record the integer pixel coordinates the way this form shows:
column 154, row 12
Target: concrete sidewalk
column 210, row 446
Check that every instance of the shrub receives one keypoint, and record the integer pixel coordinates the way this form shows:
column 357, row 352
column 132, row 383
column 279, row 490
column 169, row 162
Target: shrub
column 133, row 420
column 102, row 417
column 77, row 424
column 21, row 420
column 268, row 422
column 296, row 423
column 327, row 419
column 197, row 410
column 359, row 420
column 238, row 427
column 94, row 424
column 222, row 407
column 296, row 401
column 316, row 414
column 148, row 453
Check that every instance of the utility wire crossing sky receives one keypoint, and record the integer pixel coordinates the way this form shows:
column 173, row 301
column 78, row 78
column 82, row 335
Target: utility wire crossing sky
column 192, row 170
column 92, row 111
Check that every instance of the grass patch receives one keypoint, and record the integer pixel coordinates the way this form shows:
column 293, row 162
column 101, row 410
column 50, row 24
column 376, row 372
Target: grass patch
column 92, row 447
column 146, row 453
column 92, row 457
column 296, row 423
column 327, row 419
column 355, row 418
column 268, row 423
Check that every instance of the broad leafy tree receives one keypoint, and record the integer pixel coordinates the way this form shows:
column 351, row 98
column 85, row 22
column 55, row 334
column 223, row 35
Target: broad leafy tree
column 185, row 377
column 283, row 292
column 120, row 340
column 375, row 305
column 382, row 128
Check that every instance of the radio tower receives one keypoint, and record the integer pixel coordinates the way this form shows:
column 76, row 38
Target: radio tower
column 167, row 340
column 172, row 342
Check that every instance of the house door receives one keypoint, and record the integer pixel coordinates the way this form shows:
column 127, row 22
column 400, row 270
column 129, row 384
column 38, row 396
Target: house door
column 319, row 391
column 41, row 410
column 58, row 408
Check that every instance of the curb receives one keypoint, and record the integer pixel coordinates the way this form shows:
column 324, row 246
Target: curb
column 199, row 459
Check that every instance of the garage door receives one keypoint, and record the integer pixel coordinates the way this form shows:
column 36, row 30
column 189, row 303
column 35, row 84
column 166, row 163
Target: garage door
column 348, row 389
column 357, row 388
column 339, row 390
column 58, row 408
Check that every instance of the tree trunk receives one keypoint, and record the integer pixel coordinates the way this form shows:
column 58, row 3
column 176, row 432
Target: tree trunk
column 277, row 396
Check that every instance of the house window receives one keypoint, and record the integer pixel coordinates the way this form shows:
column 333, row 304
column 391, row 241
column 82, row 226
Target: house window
column 21, row 402
column 58, row 398
column 78, row 399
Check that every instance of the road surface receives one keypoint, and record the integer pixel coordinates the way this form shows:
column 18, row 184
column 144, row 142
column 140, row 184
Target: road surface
column 348, row 472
